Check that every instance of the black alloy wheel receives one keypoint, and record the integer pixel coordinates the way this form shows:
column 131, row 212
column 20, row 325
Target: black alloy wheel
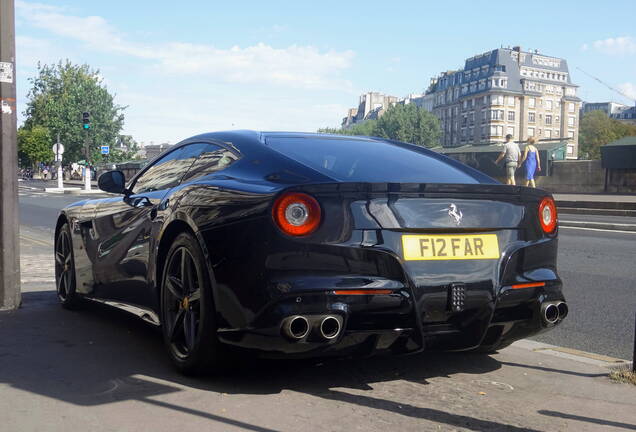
column 65, row 269
column 187, row 312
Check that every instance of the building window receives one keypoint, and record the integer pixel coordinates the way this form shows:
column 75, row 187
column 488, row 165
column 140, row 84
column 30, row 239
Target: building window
column 571, row 120
column 485, row 100
column 570, row 134
column 496, row 131
column 511, row 100
column 510, row 130
column 556, row 119
column 548, row 133
column 548, row 105
column 511, row 116
column 531, row 117
column 530, row 131
column 570, row 107
column 531, row 102
column 497, row 100
column 555, row 133
column 548, row 119
column 496, row 114
column 484, row 115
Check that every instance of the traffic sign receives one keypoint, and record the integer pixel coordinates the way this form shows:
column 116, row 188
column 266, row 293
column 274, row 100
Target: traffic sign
column 105, row 149
column 58, row 148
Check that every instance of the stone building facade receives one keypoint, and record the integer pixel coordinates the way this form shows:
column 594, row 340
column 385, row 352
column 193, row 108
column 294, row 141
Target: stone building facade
column 507, row 91
column 370, row 107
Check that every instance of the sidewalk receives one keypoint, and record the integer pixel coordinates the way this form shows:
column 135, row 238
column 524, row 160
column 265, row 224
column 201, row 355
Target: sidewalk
column 102, row 370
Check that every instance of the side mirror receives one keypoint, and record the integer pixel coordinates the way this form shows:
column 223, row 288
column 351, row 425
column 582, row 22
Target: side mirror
column 113, row 181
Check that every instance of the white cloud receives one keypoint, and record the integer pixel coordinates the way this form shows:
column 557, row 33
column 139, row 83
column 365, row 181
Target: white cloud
column 622, row 45
column 299, row 66
column 628, row 89
column 260, row 87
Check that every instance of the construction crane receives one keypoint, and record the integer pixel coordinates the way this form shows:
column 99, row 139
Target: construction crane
column 608, row 86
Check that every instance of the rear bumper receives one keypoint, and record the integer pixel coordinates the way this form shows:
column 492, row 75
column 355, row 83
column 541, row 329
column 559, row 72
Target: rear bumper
column 391, row 323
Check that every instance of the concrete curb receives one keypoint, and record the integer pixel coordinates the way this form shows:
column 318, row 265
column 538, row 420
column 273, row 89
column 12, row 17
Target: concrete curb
column 598, row 225
column 573, row 354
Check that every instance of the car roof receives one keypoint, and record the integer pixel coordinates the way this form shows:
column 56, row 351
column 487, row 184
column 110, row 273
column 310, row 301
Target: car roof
column 260, row 136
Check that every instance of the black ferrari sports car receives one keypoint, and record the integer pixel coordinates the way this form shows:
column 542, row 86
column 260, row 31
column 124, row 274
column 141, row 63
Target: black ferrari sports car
column 306, row 245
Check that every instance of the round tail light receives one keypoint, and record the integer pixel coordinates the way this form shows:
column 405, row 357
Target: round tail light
column 548, row 215
column 296, row 213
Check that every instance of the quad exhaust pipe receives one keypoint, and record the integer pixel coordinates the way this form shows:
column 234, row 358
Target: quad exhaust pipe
column 322, row 327
column 296, row 327
column 330, row 327
column 551, row 313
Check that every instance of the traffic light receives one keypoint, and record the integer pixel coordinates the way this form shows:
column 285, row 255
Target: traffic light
column 86, row 120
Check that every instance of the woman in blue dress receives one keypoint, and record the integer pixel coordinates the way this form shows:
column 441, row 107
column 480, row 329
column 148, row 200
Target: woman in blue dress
column 533, row 163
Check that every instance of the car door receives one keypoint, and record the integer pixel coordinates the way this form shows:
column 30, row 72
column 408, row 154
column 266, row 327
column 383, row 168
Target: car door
column 122, row 229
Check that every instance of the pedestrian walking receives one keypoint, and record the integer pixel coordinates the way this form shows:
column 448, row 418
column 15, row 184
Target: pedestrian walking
column 510, row 153
column 532, row 161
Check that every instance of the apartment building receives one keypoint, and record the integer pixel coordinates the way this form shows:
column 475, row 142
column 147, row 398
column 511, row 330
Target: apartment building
column 371, row 106
column 507, row 91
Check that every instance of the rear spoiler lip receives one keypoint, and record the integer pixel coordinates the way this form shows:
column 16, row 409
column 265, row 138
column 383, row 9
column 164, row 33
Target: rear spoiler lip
column 421, row 189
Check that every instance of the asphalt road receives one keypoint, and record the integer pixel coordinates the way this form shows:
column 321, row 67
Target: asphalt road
column 597, row 267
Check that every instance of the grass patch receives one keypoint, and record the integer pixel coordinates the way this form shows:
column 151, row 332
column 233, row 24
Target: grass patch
column 623, row 376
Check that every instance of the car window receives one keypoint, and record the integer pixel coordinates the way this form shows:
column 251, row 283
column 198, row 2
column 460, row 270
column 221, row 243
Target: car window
column 214, row 158
column 167, row 172
column 366, row 160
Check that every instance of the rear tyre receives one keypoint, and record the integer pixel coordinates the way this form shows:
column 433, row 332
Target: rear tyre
column 65, row 280
column 187, row 309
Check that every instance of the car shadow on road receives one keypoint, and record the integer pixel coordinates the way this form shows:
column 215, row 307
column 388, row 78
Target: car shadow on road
column 101, row 355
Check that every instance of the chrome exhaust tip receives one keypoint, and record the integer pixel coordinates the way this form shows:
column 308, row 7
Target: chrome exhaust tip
column 296, row 327
column 563, row 309
column 330, row 327
column 550, row 313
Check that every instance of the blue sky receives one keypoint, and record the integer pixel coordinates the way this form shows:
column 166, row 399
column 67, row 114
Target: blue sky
column 293, row 65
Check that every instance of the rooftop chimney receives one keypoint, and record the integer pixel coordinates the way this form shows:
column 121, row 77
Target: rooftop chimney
column 516, row 48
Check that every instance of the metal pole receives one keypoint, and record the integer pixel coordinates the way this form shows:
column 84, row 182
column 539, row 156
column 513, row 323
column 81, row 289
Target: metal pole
column 87, row 171
column 58, row 161
column 9, row 237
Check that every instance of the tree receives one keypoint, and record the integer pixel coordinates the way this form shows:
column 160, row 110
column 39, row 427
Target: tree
column 407, row 123
column 411, row 124
column 125, row 150
column 34, row 146
column 60, row 94
column 598, row 129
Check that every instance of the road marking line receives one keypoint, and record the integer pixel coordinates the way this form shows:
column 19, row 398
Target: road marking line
column 597, row 229
column 37, row 241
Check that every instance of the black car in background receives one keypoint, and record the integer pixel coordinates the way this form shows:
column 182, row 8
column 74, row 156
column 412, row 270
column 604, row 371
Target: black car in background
column 295, row 244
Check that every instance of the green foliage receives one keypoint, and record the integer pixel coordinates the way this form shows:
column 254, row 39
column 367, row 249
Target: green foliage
column 59, row 95
column 598, row 129
column 407, row 123
column 34, row 145
column 410, row 124
column 125, row 150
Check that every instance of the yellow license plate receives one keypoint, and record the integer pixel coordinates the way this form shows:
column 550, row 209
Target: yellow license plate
column 450, row 247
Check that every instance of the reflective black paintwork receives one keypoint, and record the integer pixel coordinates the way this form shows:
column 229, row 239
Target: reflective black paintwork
column 261, row 276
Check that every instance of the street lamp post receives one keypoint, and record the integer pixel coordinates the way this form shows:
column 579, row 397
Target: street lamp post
column 9, row 240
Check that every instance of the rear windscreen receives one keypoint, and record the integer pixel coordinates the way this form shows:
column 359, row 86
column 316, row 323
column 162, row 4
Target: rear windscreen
column 371, row 161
